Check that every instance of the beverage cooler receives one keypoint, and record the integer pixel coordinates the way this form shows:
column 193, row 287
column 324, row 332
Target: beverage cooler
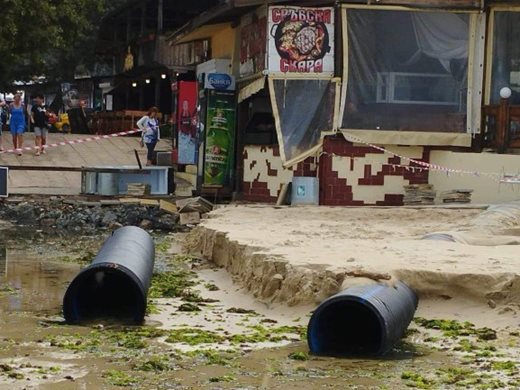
column 206, row 131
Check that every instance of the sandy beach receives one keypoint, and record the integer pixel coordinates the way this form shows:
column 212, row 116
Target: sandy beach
column 302, row 255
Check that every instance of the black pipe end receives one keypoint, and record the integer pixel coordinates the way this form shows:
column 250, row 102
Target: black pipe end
column 346, row 326
column 362, row 321
column 105, row 292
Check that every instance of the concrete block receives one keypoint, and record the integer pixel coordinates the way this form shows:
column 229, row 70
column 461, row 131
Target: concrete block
column 149, row 202
column 190, row 218
column 168, row 206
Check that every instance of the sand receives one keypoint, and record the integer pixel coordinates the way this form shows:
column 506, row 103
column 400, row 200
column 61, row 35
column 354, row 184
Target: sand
column 302, row 255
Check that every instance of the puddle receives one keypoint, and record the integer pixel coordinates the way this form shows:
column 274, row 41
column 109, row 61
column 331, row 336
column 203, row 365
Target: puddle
column 242, row 343
column 33, row 284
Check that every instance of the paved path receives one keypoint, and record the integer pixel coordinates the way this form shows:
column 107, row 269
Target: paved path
column 109, row 152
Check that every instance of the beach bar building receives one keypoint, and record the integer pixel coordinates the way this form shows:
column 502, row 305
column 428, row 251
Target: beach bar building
column 353, row 102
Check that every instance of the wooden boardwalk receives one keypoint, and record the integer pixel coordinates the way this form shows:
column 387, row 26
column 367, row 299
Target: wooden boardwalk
column 108, row 152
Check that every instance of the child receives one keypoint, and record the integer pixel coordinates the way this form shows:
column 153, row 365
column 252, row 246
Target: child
column 40, row 120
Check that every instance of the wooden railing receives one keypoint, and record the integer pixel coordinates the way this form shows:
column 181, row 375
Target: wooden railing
column 501, row 124
column 116, row 121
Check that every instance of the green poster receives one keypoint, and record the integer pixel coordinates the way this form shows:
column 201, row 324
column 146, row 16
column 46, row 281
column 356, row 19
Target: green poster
column 218, row 161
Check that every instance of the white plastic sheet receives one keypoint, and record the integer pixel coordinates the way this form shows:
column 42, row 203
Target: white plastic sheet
column 303, row 109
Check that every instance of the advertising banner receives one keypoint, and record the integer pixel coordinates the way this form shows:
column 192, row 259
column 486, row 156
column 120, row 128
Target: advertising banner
column 186, row 120
column 301, row 40
column 220, row 137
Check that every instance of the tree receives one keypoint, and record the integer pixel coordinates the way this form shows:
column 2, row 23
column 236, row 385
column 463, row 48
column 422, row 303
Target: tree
column 48, row 38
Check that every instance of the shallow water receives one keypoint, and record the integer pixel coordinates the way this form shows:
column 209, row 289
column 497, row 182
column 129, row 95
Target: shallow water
column 38, row 283
column 32, row 355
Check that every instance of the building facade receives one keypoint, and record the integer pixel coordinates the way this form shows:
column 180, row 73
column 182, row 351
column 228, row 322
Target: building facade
column 366, row 97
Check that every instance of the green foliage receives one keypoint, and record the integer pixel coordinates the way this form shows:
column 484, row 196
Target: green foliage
column 48, row 37
column 131, row 338
column 507, row 366
column 453, row 328
column 417, row 380
column 171, row 284
column 154, row 364
column 222, row 378
column 192, row 336
column 119, row 378
column 7, row 290
column 301, row 356
column 188, row 307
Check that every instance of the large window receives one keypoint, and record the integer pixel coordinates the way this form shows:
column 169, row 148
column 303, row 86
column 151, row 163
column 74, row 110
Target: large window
column 407, row 70
column 506, row 55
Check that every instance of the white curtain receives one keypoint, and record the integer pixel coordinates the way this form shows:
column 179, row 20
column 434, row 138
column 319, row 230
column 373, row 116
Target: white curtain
column 442, row 36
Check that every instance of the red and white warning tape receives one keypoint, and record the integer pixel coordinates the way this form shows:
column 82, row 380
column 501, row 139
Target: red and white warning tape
column 72, row 142
column 422, row 165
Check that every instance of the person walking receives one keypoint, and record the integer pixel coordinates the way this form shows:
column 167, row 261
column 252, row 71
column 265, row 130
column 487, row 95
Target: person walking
column 149, row 126
column 3, row 122
column 40, row 121
column 17, row 122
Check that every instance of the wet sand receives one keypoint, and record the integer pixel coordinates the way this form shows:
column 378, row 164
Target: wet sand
column 86, row 357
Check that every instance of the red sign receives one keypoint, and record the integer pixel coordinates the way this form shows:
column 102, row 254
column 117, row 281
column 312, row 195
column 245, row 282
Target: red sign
column 186, row 123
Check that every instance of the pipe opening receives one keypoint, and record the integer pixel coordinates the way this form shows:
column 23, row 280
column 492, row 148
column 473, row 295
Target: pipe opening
column 106, row 294
column 344, row 328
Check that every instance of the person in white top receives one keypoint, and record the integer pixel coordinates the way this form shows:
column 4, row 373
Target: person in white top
column 149, row 126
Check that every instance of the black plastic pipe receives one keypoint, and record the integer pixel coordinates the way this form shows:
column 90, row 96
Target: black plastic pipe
column 361, row 321
column 115, row 286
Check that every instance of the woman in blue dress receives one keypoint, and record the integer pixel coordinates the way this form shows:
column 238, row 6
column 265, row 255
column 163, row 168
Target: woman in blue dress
column 17, row 122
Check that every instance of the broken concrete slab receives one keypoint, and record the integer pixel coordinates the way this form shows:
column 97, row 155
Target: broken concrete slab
column 129, row 200
column 149, row 202
column 194, row 204
column 190, row 218
column 168, row 206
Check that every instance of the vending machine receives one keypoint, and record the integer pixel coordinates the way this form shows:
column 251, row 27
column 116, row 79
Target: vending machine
column 216, row 123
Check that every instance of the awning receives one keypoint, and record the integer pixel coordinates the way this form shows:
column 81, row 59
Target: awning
column 251, row 88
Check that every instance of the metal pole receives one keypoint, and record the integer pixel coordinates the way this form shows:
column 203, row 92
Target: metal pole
column 174, row 88
column 160, row 16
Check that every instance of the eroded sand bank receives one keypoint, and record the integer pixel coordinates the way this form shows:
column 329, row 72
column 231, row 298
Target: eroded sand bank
column 305, row 254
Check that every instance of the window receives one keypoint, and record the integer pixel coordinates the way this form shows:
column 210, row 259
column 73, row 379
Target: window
column 406, row 70
column 506, row 56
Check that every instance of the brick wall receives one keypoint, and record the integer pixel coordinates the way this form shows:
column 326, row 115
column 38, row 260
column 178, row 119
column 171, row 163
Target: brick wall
column 264, row 174
column 357, row 175
column 350, row 174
